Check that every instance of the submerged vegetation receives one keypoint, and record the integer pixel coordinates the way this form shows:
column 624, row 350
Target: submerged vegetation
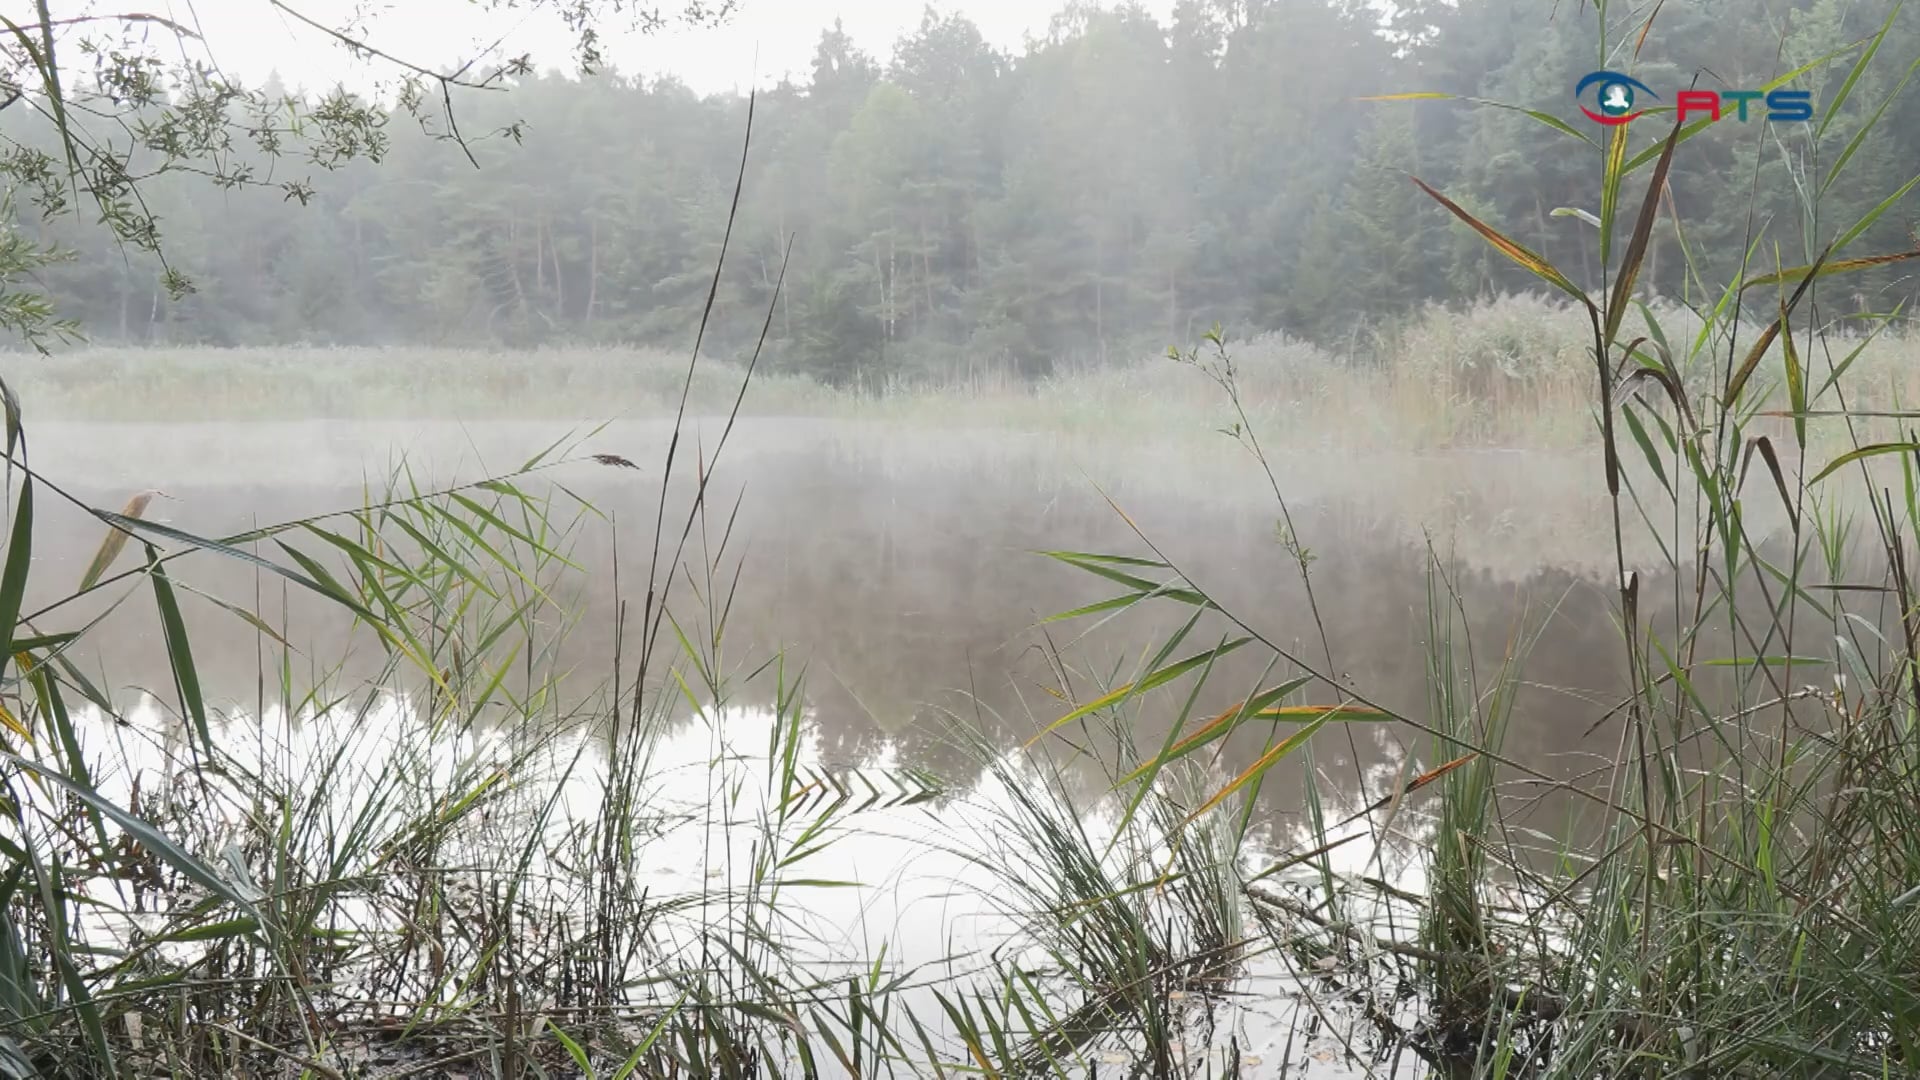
column 472, row 861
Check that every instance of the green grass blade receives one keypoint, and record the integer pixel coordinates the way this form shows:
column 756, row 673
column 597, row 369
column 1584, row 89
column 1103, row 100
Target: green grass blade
column 167, row 532
column 1158, row 678
column 180, row 653
column 1873, row 450
column 1639, row 432
column 1840, row 96
column 13, row 578
column 1860, row 137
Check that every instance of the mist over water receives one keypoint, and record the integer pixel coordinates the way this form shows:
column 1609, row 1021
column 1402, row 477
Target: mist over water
column 1497, row 656
column 896, row 573
column 898, row 567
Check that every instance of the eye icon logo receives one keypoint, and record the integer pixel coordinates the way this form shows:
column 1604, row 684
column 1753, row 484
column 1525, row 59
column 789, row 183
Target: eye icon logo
column 1614, row 95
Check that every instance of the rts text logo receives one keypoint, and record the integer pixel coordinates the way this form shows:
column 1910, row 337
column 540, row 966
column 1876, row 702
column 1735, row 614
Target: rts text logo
column 1616, row 98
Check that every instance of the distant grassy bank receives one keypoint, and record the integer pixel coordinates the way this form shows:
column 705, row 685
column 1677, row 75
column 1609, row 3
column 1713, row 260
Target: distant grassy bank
column 1507, row 372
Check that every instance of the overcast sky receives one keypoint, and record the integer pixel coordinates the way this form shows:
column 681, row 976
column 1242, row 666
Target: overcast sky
column 767, row 38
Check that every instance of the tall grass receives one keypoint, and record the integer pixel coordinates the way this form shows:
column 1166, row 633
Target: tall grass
column 1741, row 900
column 1506, row 372
column 465, row 860
column 474, row 860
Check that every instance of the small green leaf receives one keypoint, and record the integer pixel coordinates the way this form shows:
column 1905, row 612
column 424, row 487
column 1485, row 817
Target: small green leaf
column 1639, row 433
column 1851, row 456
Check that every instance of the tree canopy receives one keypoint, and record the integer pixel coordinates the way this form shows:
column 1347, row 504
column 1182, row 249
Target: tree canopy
column 1119, row 184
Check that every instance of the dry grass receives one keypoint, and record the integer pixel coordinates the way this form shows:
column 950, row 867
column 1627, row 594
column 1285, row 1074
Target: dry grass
column 1511, row 371
column 295, row 382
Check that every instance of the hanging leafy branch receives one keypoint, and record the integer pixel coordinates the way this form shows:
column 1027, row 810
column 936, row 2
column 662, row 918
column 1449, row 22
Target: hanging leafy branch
column 124, row 98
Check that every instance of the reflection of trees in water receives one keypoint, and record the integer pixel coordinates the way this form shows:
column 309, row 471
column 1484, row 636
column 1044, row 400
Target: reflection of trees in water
column 905, row 589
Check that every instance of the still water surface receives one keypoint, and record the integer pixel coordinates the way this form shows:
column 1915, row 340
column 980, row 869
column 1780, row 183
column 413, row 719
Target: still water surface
column 898, row 569
column 898, row 565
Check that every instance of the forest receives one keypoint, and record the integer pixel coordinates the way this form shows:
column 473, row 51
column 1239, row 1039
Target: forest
column 1118, row 186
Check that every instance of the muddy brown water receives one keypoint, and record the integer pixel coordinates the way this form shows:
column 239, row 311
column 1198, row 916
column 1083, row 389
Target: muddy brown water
column 896, row 566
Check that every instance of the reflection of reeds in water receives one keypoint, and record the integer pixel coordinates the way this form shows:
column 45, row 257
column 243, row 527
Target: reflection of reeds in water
column 1130, row 947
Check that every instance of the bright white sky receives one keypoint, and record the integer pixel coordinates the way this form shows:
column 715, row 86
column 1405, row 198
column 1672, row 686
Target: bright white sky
column 250, row 38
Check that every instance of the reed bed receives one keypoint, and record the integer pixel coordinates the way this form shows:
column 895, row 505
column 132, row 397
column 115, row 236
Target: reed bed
column 1507, row 371
column 468, row 862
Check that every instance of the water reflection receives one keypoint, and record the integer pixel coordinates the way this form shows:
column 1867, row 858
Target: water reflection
column 897, row 570
column 921, row 889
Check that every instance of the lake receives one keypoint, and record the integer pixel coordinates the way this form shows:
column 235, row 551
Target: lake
column 899, row 570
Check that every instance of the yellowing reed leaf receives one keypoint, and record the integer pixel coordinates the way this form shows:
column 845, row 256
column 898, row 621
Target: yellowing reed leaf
column 1874, row 450
column 1226, row 721
column 1610, row 190
column 1796, row 385
column 115, row 540
column 1641, row 41
column 1520, row 255
column 1825, row 269
column 1747, row 366
column 1158, row 678
column 1326, row 712
column 1280, row 750
column 1642, row 228
column 1436, row 773
column 7, row 721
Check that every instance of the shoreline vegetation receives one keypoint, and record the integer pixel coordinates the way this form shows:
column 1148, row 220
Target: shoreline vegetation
column 1732, row 890
column 1508, row 373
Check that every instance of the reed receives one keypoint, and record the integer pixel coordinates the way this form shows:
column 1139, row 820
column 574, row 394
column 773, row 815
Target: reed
column 472, row 858
column 1502, row 372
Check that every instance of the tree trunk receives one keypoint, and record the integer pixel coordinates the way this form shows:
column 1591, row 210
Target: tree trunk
column 1099, row 297
column 559, row 284
column 513, row 266
column 880, row 277
column 926, row 265
column 593, row 267
column 786, row 303
column 1173, row 301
